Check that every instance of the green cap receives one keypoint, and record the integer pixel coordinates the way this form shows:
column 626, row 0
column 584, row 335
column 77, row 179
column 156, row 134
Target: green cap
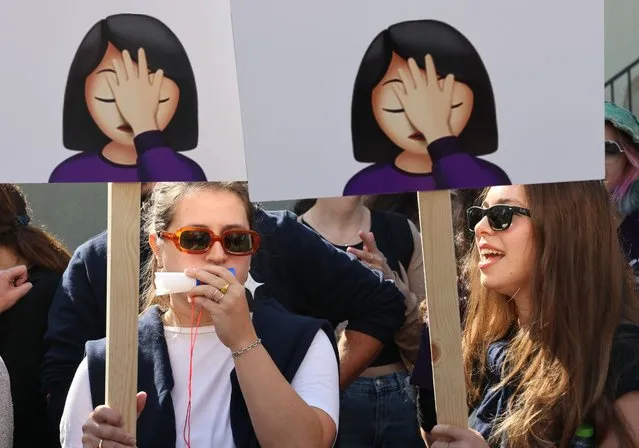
column 622, row 119
column 585, row 431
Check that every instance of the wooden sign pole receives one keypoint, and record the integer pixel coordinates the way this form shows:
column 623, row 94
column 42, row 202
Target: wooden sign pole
column 123, row 273
column 435, row 217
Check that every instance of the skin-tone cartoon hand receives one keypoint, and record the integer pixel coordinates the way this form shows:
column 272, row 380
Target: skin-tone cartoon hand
column 230, row 311
column 136, row 92
column 13, row 286
column 371, row 255
column 448, row 436
column 427, row 105
column 106, row 424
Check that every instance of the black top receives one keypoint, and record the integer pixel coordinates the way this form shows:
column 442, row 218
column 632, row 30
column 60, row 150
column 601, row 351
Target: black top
column 22, row 328
column 395, row 240
column 629, row 238
column 623, row 378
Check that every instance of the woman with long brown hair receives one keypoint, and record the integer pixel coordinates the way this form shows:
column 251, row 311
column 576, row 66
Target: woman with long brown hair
column 551, row 340
column 22, row 326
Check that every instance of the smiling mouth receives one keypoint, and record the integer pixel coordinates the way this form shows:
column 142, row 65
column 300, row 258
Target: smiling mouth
column 417, row 136
column 125, row 128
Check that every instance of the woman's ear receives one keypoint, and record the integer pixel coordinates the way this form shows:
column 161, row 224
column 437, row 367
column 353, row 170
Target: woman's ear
column 153, row 242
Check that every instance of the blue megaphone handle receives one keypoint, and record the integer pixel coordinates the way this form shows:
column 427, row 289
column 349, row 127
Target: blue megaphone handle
column 231, row 270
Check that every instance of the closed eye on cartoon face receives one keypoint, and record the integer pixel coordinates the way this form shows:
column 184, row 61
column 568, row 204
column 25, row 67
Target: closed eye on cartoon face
column 392, row 117
column 101, row 101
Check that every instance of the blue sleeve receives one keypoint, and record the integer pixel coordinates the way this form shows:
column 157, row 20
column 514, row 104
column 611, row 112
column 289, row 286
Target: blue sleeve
column 338, row 287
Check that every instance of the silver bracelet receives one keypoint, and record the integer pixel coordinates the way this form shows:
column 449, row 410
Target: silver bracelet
column 246, row 349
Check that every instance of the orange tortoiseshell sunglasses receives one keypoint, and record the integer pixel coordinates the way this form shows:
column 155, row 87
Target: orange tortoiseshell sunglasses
column 199, row 240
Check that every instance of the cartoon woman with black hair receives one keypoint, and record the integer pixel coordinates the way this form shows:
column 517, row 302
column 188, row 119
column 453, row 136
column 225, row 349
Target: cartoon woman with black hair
column 130, row 103
column 422, row 110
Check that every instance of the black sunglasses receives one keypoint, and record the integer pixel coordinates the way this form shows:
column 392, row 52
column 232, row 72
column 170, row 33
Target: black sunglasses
column 613, row 148
column 500, row 217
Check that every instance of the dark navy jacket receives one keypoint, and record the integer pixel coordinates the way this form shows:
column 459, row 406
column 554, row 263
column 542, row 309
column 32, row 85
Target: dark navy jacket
column 285, row 336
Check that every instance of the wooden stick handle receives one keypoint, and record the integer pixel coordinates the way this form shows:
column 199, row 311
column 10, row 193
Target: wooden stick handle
column 435, row 216
column 123, row 273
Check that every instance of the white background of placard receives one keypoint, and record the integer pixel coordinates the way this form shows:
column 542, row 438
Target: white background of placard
column 297, row 63
column 39, row 40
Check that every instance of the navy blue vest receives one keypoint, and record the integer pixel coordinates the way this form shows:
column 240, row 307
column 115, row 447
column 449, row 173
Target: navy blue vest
column 285, row 336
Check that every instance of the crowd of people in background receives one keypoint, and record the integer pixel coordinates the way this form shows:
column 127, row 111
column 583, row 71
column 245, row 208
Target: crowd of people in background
column 310, row 327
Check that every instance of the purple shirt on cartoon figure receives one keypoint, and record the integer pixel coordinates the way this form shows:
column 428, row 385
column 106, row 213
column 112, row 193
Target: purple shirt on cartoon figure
column 452, row 169
column 156, row 163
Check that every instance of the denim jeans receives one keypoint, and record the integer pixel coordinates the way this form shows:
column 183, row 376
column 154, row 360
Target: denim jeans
column 380, row 412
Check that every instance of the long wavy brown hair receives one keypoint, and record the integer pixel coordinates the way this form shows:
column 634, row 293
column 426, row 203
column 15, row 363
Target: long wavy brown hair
column 157, row 215
column 582, row 289
column 37, row 247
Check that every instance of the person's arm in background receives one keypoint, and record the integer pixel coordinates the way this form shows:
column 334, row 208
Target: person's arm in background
column 411, row 283
column 339, row 288
column 357, row 350
column 13, row 286
column 77, row 315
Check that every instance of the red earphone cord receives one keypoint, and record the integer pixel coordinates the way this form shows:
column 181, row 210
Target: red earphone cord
column 187, row 422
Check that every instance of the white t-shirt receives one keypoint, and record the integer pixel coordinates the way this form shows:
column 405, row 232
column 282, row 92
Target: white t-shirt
column 316, row 382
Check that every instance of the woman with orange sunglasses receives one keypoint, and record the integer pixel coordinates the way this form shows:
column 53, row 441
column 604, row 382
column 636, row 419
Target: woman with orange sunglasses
column 211, row 373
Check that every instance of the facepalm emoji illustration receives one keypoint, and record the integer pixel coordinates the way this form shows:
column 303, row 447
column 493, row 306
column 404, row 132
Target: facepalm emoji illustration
column 130, row 105
column 422, row 111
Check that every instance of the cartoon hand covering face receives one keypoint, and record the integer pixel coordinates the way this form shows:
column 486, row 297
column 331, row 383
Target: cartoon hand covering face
column 130, row 104
column 422, row 110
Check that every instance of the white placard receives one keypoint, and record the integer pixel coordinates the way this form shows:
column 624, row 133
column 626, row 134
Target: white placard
column 201, row 126
column 298, row 63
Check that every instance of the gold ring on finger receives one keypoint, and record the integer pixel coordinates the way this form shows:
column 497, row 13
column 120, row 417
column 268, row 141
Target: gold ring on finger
column 100, row 444
column 224, row 289
column 215, row 299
